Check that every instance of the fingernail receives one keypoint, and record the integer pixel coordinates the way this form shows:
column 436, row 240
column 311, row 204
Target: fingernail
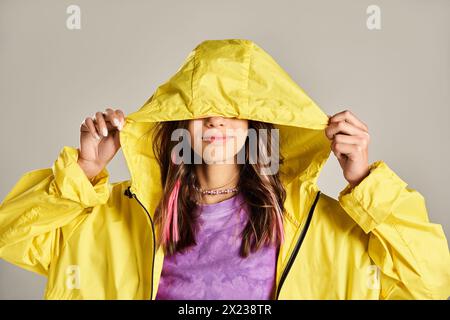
column 105, row 132
column 97, row 137
column 116, row 122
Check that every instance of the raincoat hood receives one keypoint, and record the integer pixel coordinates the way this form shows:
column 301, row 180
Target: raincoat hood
column 229, row 78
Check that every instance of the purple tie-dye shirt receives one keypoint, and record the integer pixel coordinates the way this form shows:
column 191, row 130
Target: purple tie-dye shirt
column 213, row 269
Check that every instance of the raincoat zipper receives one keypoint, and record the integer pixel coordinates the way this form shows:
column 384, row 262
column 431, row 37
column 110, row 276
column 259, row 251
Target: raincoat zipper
column 297, row 245
column 130, row 195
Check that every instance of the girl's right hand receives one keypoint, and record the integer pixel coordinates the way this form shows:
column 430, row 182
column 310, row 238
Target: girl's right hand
column 99, row 140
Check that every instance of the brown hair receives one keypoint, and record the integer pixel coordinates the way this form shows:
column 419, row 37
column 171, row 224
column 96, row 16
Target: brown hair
column 264, row 194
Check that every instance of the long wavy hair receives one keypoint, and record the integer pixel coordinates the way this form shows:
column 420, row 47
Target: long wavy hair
column 264, row 194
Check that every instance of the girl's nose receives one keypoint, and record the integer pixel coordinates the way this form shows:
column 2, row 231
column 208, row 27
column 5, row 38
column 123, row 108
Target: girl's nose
column 212, row 122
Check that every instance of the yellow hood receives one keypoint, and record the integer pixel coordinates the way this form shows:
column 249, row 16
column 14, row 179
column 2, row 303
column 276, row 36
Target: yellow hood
column 230, row 78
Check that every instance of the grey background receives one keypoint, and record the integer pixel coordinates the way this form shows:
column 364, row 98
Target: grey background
column 395, row 79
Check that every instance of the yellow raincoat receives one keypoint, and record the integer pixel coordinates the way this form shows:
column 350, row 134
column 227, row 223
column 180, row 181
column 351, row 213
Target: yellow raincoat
column 96, row 240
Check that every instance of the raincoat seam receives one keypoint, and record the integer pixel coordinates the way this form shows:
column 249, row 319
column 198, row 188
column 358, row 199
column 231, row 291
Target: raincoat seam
column 292, row 219
column 355, row 207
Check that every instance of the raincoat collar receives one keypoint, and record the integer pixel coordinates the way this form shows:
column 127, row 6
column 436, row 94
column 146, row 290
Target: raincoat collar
column 230, row 78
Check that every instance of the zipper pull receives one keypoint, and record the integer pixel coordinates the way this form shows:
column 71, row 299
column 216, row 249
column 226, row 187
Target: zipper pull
column 128, row 193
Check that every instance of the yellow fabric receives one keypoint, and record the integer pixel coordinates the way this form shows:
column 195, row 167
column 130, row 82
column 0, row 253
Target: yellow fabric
column 93, row 242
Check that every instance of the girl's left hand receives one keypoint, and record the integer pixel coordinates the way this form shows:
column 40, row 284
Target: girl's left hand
column 350, row 144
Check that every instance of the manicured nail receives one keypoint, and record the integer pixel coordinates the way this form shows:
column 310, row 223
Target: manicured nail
column 97, row 137
column 105, row 132
column 116, row 122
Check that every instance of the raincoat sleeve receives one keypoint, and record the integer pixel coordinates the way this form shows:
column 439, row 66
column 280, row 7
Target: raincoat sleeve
column 36, row 215
column 411, row 253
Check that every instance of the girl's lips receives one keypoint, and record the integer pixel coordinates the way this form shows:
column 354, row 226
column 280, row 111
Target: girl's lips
column 217, row 138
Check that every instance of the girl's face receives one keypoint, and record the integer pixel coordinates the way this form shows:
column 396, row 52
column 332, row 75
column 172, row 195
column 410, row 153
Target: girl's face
column 218, row 139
